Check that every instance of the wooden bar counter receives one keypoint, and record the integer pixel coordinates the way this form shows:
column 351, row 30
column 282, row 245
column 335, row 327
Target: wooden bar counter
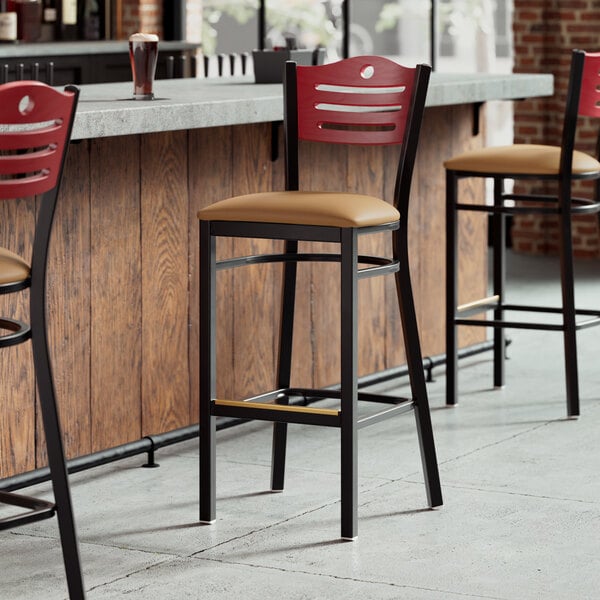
column 123, row 278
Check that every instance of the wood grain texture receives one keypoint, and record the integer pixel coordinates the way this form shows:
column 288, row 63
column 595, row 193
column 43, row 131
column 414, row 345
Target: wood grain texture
column 324, row 168
column 472, row 227
column 69, row 305
column 17, row 393
column 427, row 231
column 256, row 289
column 116, row 291
column 124, row 287
column 365, row 175
column 164, row 229
column 207, row 185
column 394, row 351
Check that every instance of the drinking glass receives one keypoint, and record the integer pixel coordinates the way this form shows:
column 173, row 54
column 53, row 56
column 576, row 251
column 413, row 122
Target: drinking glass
column 143, row 54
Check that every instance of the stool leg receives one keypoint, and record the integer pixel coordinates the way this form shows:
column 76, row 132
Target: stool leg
column 284, row 366
column 207, row 428
column 54, row 445
column 416, row 372
column 499, row 275
column 278, row 456
column 568, row 302
column 451, row 289
column 349, row 383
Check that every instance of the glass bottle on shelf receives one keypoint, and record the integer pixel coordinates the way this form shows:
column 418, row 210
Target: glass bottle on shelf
column 49, row 21
column 90, row 20
column 67, row 19
column 50, row 13
column 8, row 23
column 29, row 19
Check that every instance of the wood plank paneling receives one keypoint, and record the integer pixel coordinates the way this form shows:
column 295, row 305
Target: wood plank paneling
column 427, row 231
column 472, row 227
column 17, row 418
column 124, row 282
column 17, row 393
column 365, row 176
column 394, row 342
column 207, row 185
column 256, row 289
column 324, row 168
column 164, row 230
column 69, row 304
column 116, row 316
column 445, row 132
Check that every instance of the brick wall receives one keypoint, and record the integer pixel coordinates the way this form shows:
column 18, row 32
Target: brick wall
column 141, row 15
column 545, row 32
column 146, row 16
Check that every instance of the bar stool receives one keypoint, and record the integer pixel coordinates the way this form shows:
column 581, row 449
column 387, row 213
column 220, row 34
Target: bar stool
column 36, row 123
column 560, row 165
column 363, row 100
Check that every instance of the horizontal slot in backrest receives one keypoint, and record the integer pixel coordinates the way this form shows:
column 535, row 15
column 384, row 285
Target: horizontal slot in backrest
column 34, row 124
column 363, row 100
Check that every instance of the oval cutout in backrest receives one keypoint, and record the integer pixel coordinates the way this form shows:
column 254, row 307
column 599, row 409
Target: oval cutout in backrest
column 26, row 105
column 367, row 71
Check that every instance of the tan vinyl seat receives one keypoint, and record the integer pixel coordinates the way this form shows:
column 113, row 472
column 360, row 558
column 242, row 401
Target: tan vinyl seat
column 13, row 269
column 522, row 159
column 329, row 209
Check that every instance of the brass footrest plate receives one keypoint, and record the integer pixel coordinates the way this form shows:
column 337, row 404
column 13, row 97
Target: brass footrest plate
column 284, row 413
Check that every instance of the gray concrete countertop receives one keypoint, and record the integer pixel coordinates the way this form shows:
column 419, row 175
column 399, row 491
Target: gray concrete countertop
column 107, row 109
column 45, row 49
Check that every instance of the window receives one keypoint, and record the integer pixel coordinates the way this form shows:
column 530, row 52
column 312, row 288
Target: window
column 472, row 35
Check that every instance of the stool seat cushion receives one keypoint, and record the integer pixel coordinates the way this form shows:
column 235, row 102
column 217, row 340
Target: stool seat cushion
column 13, row 269
column 520, row 159
column 330, row 209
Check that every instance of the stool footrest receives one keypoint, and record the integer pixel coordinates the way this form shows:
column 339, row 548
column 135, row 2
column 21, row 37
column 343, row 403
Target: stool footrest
column 285, row 413
column 37, row 510
column 399, row 408
column 478, row 306
column 497, row 324
column 552, row 205
column 263, row 408
column 311, row 394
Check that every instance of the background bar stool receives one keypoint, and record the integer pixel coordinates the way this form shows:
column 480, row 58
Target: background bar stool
column 558, row 164
column 363, row 100
column 37, row 121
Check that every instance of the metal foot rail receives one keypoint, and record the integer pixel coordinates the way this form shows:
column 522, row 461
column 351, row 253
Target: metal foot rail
column 149, row 444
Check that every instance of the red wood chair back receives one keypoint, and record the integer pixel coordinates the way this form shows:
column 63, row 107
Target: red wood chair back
column 589, row 100
column 362, row 100
column 35, row 126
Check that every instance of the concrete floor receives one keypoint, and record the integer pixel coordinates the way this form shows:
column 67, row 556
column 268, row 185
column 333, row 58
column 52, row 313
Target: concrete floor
column 521, row 483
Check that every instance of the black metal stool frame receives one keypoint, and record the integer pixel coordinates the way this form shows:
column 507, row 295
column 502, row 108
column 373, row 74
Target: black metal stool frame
column 20, row 332
column 563, row 204
column 281, row 412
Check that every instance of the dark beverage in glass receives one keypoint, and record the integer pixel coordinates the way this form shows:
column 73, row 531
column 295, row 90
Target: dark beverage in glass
column 143, row 54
